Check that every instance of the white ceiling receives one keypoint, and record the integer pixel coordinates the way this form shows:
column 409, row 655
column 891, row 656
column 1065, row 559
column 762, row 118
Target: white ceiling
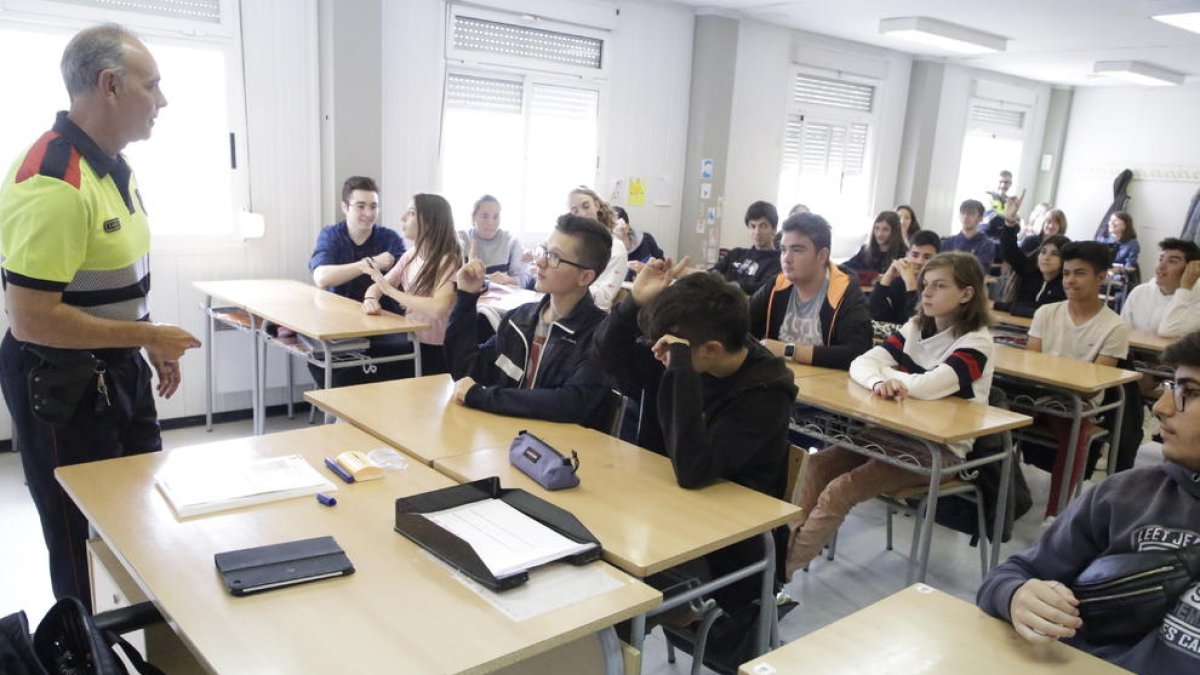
column 1054, row 41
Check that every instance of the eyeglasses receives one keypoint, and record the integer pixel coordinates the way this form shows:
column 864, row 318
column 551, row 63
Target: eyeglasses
column 1180, row 393
column 554, row 260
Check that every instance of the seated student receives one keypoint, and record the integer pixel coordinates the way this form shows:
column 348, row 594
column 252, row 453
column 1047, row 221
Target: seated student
column 970, row 239
column 751, row 268
column 1123, row 238
column 885, row 245
column 1170, row 304
column 641, row 245
column 338, row 264
column 894, row 300
column 422, row 282
column 722, row 400
column 499, row 251
column 1082, row 327
column 1053, row 224
column 814, row 312
column 536, row 364
column 584, row 202
column 1039, row 279
column 909, row 224
column 945, row 350
column 1149, row 509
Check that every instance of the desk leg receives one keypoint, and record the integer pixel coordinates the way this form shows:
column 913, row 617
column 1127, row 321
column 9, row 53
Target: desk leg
column 256, row 379
column 929, row 518
column 637, row 636
column 416, row 356
column 1114, row 437
column 209, row 385
column 262, row 379
column 1002, row 502
column 766, row 610
column 328, row 374
column 288, row 384
column 1064, row 484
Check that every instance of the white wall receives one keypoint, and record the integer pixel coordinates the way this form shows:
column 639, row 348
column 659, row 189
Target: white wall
column 1150, row 130
column 762, row 85
column 938, row 108
column 644, row 117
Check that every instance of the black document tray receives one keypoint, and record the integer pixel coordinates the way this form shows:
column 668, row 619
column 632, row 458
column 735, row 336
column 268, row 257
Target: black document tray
column 458, row 553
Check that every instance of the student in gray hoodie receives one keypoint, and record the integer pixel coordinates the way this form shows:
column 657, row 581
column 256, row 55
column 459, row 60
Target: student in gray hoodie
column 499, row 250
column 1146, row 509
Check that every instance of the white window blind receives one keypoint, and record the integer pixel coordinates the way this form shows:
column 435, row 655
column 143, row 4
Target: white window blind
column 483, row 93
column 505, row 39
column 991, row 115
column 840, row 94
column 208, row 11
column 824, row 147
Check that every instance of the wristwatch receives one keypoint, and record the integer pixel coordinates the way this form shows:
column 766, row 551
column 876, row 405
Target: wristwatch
column 789, row 351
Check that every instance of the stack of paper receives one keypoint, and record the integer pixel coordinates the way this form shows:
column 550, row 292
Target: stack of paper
column 507, row 540
column 193, row 488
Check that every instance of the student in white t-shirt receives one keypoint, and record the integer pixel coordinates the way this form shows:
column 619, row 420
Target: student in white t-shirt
column 586, row 203
column 1169, row 304
column 1081, row 327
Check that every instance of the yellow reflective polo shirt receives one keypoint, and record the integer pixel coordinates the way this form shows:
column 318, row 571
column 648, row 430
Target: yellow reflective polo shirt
column 72, row 220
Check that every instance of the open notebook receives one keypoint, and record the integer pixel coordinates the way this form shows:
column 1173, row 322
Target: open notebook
column 193, row 487
column 507, row 540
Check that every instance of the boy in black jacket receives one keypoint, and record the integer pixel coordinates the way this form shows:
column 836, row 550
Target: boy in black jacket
column 814, row 312
column 722, row 400
column 752, row 268
column 536, row 364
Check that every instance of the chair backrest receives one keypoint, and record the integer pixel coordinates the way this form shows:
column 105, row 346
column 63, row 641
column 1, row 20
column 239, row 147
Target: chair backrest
column 614, row 409
column 797, row 462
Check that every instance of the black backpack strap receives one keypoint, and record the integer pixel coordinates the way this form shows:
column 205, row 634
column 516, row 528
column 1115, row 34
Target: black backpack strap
column 135, row 658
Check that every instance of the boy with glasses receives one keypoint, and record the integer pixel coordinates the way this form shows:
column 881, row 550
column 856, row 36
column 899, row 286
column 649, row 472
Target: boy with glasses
column 1147, row 509
column 536, row 364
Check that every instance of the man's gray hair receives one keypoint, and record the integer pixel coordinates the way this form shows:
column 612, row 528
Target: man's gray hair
column 91, row 51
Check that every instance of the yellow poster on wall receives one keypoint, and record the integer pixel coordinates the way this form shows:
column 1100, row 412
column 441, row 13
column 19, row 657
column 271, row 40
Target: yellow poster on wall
column 637, row 192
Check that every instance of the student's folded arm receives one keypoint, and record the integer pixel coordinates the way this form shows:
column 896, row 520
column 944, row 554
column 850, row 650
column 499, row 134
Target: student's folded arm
column 758, row 309
column 464, row 355
column 615, row 349
column 869, row 368
column 689, row 443
column 438, row 304
column 1077, row 537
column 573, row 402
column 854, row 335
column 327, row 276
column 1182, row 315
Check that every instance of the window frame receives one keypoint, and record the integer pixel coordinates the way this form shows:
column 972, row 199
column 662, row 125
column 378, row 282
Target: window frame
column 69, row 18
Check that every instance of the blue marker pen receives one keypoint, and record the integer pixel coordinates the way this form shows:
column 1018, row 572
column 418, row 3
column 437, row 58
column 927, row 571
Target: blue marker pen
column 326, row 500
column 337, row 469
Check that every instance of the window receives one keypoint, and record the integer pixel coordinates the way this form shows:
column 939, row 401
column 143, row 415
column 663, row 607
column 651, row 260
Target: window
column 185, row 171
column 520, row 120
column 994, row 142
column 826, row 149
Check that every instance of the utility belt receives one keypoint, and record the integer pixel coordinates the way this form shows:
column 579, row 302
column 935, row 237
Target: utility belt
column 60, row 378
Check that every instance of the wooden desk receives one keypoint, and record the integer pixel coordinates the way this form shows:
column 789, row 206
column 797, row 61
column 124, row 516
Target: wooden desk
column 401, row 612
column 629, row 499
column 942, row 421
column 922, row 630
column 803, row 370
column 1074, row 379
column 420, row 417
column 1006, row 319
column 1149, row 342
column 938, row 422
column 303, row 308
column 1059, row 371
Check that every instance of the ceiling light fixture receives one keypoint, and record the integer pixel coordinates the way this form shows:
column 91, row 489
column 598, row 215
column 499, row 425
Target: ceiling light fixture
column 1138, row 72
column 1185, row 20
column 943, row 35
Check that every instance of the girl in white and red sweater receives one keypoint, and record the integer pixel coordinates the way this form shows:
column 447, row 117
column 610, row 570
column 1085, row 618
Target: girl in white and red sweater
column 945, row 350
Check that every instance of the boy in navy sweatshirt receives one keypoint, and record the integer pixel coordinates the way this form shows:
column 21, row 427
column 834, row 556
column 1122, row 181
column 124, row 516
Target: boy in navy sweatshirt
column 1146, row 509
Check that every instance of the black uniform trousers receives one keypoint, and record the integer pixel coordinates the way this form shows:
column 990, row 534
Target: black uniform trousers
column 127, row 425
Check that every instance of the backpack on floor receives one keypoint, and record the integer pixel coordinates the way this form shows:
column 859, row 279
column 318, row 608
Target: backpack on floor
column 66, row 642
